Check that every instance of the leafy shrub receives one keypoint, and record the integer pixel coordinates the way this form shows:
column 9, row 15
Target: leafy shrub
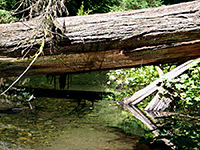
column 96, row 6
column 82, row 12
column 186, row 90
column 5, row 17
column 8, row 4
column 125, row 82
column 183, row 129
column 110, row 5
column 136, row 4
column 5, row 10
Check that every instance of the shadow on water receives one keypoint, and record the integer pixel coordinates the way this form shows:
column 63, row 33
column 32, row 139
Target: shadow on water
column 71, row 124
column 67, row 120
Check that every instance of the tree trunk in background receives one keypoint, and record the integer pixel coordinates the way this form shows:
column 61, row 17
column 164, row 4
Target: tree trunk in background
column 107, row 41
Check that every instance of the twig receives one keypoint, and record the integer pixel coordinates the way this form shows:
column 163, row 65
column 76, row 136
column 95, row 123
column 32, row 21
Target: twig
column 29, row 101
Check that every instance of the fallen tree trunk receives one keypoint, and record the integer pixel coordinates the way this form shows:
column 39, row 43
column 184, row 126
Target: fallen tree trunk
column 106, row 41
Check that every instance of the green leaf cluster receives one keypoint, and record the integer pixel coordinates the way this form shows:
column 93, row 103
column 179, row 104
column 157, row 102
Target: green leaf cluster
column 95, row 6
column 135, row 4
column 81, row 10
column 5, row 10
column 8, row 4
column 186, row 90
column 5, row 16
column 104, row 6
column 182, row 130
column 125, row 82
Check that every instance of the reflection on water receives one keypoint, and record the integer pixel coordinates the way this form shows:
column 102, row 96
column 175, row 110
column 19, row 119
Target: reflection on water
column 65, row 124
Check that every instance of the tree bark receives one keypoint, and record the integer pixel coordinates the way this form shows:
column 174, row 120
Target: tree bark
column 106, row 41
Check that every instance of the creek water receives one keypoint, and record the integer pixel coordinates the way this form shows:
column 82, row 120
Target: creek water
column 64, row 124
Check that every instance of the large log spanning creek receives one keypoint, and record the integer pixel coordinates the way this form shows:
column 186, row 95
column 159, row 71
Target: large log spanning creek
column 92, row 43
column 106, row 41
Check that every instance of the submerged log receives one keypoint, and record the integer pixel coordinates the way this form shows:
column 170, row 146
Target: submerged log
column 106, row 41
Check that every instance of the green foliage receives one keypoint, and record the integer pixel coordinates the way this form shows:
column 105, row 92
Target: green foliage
column 116, row 5
column 5, row 17
column 95, row 5
column 104, row 6
column 81, row 10
column 8, row 4
column 182, row 130
column 125, row 82
column 5, row 11
column 136, row 4
column 130, row 125
column 186, row 90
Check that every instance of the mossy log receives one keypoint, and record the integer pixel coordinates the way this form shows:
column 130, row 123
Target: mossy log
column 106, row 41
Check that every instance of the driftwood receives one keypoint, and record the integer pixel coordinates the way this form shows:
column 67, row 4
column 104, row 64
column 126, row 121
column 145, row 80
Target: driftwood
column 105, row 41
column 156, row 104
column 140, row 95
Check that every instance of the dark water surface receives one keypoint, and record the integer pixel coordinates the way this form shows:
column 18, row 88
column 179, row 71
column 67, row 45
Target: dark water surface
column 64, row 124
